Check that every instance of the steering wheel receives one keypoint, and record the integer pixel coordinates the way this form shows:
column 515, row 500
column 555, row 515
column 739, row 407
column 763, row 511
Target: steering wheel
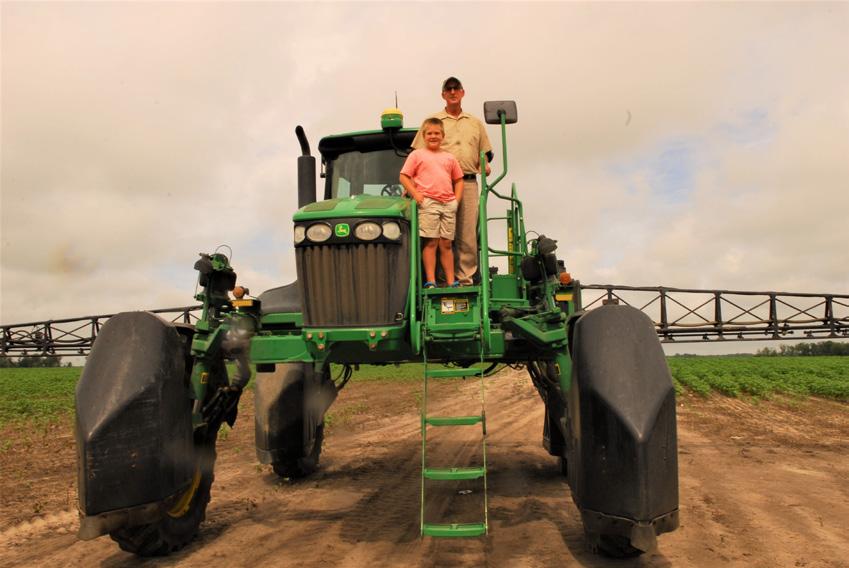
column 392, row 189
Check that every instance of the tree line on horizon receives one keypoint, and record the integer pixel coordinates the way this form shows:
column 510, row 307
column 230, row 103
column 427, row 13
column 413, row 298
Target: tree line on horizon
column 805, row 349
column 31, row 362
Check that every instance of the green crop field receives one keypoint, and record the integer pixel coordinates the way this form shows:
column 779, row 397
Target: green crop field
column 39, row 394
column 762, row 376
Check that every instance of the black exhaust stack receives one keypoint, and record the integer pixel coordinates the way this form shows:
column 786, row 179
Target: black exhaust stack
column 306, row 170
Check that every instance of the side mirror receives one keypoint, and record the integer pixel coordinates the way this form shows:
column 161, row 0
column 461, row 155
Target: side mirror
column 492, row 111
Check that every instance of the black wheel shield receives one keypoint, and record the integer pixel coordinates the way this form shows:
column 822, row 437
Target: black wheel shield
column 623, row 459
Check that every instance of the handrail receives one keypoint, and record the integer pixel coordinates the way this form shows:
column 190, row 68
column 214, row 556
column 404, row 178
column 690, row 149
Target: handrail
column 415, row 279
column 483, row 256
column 503, row 153
column 483, row 244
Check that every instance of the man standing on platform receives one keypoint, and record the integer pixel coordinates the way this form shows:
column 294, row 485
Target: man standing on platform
column 466, row 138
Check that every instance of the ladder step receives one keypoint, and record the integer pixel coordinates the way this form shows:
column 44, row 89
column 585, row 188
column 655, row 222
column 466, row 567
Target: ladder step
column 455, row 530
column 459, row 291
column 453, row 473
column 445, row 336
column 448, row 373
column 453, row 420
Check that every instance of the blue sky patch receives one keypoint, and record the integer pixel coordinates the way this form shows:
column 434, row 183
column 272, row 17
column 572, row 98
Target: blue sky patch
column 671, row 173
column 669, row 170
column 750, row 127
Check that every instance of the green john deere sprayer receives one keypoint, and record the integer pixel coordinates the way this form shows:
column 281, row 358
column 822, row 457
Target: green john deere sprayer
column 154, row 394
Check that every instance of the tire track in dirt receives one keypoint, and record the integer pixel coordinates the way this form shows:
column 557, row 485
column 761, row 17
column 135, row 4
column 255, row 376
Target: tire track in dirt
column 755, row 491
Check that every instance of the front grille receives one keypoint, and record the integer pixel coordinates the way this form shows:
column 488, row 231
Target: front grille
column 353, row 284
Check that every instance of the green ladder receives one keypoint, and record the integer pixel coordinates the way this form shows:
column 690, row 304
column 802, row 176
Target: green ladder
column 453, row 473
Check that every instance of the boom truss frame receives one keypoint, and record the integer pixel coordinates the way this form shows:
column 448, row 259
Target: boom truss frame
column 71, row 336
column 686, row 315
column 680, row 315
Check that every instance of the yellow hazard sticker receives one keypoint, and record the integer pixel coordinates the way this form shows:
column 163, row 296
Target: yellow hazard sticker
column 242, row 303
column 454, row 305
column 563, row 297
column 204, row 378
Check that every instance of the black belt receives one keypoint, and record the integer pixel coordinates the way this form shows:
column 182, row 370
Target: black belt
column 470, row 176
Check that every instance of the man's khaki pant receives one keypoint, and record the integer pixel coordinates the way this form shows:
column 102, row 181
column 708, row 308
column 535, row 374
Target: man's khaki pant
column 466, row 233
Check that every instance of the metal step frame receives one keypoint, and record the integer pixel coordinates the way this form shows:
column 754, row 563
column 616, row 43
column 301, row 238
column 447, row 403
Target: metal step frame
column 454, row 473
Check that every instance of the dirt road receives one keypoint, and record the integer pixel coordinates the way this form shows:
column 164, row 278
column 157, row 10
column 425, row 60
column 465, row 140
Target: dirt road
column 762, row 484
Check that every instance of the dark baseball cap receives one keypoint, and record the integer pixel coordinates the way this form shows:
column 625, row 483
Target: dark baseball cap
column 452, row 82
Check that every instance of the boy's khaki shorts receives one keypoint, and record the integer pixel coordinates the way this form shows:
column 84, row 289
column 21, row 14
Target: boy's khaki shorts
column 437, row 219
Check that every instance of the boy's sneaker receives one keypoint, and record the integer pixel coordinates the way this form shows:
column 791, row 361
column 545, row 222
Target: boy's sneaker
column 456, row 284
column 429, row 284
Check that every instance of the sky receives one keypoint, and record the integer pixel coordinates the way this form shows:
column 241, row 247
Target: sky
column 700, row 145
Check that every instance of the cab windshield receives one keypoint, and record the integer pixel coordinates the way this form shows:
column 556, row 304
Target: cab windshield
column 364, row 162
column 371, row 173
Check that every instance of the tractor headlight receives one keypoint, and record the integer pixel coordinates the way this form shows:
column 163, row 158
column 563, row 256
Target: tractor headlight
column 300, row 234
column 319, row 232
column 367, row 231
column 392, row 230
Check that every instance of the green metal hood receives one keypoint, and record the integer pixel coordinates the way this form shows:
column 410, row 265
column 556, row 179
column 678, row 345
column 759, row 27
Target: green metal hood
column 355, row 206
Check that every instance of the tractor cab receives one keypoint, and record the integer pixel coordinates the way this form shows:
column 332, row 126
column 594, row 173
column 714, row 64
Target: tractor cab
column 369, row 162
column 364, row 163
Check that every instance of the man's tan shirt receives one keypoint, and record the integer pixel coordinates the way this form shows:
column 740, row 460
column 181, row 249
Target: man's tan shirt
column 465, row 137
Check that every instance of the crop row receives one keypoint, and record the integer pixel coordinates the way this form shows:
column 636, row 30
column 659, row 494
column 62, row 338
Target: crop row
column 761, row 376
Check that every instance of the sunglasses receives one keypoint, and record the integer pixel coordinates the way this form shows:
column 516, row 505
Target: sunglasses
column 449, row 89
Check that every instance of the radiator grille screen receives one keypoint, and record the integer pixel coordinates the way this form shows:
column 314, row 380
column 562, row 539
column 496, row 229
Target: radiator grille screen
column 353, row 284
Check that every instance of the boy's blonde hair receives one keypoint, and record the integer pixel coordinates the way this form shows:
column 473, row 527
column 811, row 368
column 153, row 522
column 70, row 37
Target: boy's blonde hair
column 432, row 121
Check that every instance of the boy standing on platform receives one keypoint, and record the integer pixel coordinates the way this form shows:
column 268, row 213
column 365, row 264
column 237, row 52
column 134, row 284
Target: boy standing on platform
column 434, row 179
column 465, row 138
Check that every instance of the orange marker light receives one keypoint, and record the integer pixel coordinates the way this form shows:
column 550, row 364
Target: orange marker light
column 565, row 278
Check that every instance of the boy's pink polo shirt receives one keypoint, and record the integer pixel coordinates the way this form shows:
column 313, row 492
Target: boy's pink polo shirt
column 434, row 173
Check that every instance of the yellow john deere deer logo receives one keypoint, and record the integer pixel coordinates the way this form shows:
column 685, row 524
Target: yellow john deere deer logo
column 342, row 230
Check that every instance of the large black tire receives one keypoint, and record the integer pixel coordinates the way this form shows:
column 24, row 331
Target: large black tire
column 563, row 464
column 289, row 417
column 183, row 516
column 179, row 525
column 303, row 466
column 614, row 546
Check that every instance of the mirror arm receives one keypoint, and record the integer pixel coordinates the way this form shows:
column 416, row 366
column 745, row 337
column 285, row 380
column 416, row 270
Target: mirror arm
column 503, row 116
